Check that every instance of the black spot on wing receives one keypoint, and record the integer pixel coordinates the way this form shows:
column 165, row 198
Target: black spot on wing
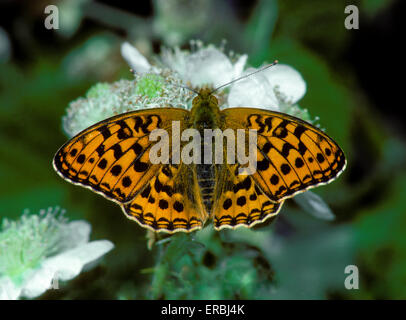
column 100, row 150
column 140, row 166
column 299, row 130
column 178, row 206
column 145, row 193
column 126, row 182
column 163, row 204
column 285, row 168
column 241, row 201
column 118, row 153
column 81, row 159
column 263, row 165
column 286, row 149
column 227, row 204
column 302, row 148
column 299, row 163
column 274, row 179
column 102, row 164
column 116, row 170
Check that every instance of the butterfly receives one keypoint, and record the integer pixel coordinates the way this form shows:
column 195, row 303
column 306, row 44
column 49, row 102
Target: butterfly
column 112, row 158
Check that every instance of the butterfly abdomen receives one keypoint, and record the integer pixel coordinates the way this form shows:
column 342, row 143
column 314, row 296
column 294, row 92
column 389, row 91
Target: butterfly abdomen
column 205, row 178
column 205, row 172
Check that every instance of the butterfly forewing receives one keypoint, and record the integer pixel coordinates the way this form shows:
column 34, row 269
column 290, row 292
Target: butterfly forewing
column 113, row 159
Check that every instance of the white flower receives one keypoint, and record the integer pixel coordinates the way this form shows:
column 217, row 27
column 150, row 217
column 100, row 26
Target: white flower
column 158, row 89
column 40, row 249
column 274, row 88
column 268, row 89
column 203, row 66
column 134, row 58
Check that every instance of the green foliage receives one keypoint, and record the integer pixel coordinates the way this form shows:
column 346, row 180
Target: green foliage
column 203, row 266
column 381, row 244
column 31, row 106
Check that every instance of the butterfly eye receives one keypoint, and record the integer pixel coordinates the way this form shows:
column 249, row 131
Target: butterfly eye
column 196, row 100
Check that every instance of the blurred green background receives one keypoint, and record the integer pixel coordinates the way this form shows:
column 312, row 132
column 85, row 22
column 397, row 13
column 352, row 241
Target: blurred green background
column 350, row 86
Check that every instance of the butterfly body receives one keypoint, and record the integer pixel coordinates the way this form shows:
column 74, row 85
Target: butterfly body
column 205, row 114
column 112, row 158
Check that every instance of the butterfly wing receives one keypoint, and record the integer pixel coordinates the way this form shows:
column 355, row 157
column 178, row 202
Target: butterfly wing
column 238, row 201
column 170, row 202
column 292, row 155
column 112, row 158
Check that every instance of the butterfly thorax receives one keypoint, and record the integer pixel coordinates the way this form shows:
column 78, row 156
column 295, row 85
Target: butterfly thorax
column 205, row 115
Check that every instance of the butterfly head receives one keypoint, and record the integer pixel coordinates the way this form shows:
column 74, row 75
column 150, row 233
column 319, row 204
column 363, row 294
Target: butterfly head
column 205, row 99
column 205, row 108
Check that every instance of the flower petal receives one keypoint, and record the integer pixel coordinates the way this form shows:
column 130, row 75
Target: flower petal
column 314, row 205
column 40, row 280
column 287, row 81
column 64, row 266
column 253, row 92
column 239, row 66
column 75, row 233
column 174, row 59
column 208, row 66
column 69, row 263
column 134, row 58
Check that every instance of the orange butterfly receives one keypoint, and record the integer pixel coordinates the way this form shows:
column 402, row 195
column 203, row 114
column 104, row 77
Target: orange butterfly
column 112, row 158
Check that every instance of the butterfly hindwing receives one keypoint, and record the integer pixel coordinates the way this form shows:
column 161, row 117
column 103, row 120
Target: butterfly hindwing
column 292, row 155
column 239, row 201
column 170, row 202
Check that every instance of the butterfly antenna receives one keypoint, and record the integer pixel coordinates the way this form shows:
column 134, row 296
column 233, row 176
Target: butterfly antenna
column 247, row 75
column 184, row 87
column 172, row 84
